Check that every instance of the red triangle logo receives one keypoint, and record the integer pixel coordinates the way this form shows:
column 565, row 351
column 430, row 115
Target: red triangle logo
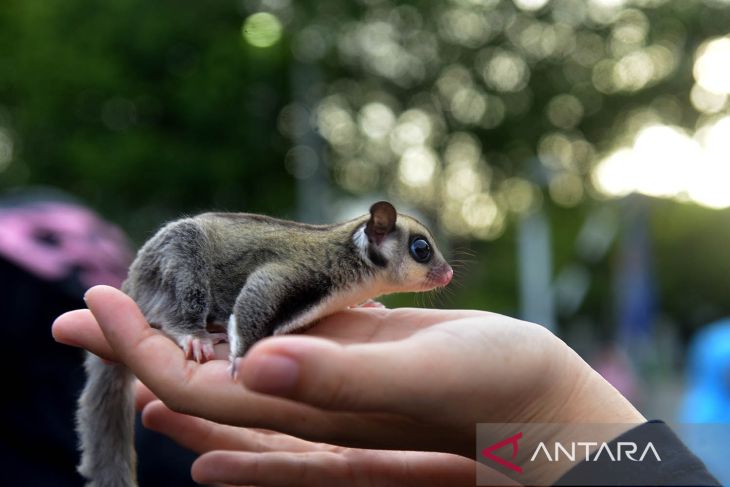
column 488, row 452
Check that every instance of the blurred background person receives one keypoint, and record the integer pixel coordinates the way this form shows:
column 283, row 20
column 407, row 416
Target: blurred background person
column 52, row 248
column 707, row 396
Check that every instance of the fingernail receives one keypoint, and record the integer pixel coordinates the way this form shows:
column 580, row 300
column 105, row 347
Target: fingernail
column 270, row 374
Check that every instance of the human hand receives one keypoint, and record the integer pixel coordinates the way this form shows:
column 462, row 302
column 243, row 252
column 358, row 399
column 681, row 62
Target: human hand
column 244, row 456
column 399, row 379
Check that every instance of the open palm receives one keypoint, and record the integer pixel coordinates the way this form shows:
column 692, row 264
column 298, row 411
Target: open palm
column 402, row 379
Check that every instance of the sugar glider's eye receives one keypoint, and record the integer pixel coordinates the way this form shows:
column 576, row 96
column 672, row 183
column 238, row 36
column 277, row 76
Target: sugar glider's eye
column 421, row 250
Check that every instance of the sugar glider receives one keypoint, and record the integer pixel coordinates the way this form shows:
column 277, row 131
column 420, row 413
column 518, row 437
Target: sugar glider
column 259, row 276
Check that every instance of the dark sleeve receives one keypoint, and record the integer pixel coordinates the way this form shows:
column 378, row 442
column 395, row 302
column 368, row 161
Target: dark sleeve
column 677, row 465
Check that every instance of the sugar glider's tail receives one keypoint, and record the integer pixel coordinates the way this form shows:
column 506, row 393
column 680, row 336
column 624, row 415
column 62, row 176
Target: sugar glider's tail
column 105, row 425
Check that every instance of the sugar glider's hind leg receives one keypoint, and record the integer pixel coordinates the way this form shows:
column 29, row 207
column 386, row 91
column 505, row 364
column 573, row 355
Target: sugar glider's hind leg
column 170, row 280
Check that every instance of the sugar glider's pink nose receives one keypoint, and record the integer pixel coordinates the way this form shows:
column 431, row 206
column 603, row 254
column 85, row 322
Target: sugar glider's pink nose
column 446, row 275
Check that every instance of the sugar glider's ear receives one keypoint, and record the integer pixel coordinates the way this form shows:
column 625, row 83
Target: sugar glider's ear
column 382, row 221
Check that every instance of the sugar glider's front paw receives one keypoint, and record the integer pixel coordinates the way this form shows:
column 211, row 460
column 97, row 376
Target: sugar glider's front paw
column 199, row 346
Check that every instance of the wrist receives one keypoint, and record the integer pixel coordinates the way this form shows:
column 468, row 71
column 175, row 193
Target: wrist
column 589, row 410
column 592, row 399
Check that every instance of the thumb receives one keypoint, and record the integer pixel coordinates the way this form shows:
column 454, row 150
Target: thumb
column 388, row 376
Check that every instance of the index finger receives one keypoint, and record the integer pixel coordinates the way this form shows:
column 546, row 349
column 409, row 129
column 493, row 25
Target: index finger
column 205, row 390
column 79, row 328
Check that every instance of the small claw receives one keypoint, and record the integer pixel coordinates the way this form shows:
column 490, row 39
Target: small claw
column 371, row 303
column 187, row 346
column 201, row 349
column 196, row 350
column 208, row 351
column 233, row 369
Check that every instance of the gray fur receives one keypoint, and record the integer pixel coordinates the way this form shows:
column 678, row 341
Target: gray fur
column 258, row 273
column 105, row 425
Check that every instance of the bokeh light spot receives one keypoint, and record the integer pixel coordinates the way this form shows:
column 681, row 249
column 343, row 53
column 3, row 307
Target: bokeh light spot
column 666, row 162
column 261, row 29
column 707, row 101
column 357, row 176
column 468, row 105
column 519, row 195
column 711, row 66
column 376, row 120
column 530, row 5
column 335, row 123
column 566, row 189
column 506, row 71
column 418, row 166
column 479, row 210
column 565, row 111
column 413, row 129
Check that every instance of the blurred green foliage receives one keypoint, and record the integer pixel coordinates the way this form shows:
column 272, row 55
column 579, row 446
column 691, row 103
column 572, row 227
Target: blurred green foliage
column 145, row 110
